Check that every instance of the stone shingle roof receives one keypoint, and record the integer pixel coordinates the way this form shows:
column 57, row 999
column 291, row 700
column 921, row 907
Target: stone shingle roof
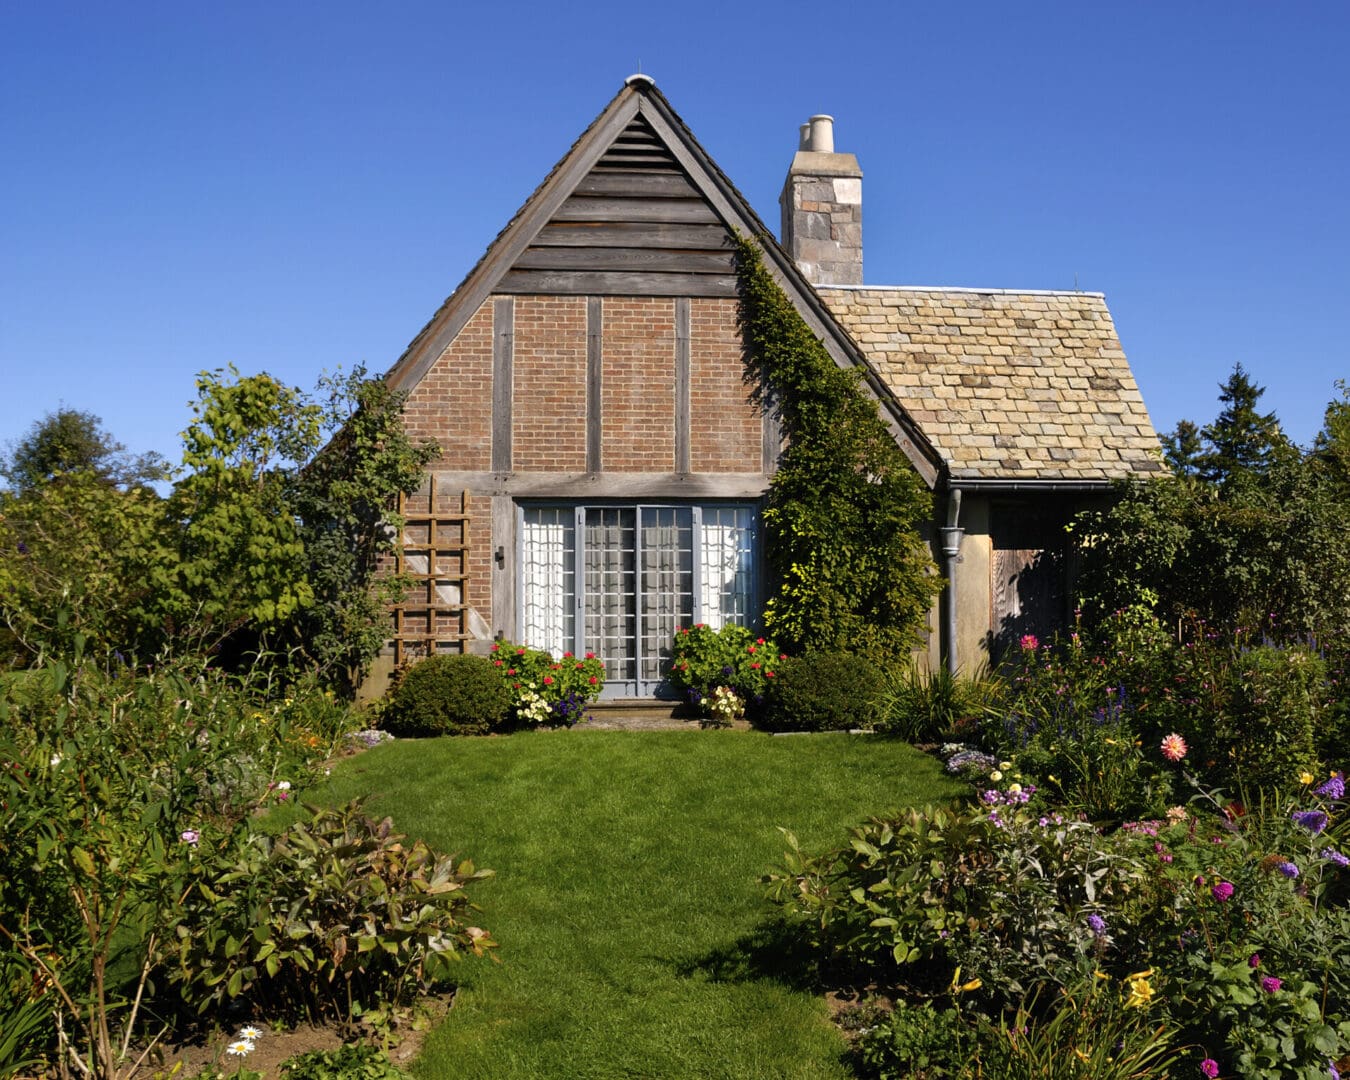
column 1006, row 385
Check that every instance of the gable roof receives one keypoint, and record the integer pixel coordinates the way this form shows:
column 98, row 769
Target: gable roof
column 638, row 126
column 1014, row 389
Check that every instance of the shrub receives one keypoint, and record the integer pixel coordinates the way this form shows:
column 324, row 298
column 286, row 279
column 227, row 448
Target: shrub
column 823, row 692
column 1266, row 735
column 923, row 705
column 702, row 659
column 545, row 689
column 448, row 695
column 117, row 791
column 354, row 1061
column 334, row 916
column 1230, row 928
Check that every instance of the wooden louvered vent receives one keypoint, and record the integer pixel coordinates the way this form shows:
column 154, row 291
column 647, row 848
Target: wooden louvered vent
column 635, row 225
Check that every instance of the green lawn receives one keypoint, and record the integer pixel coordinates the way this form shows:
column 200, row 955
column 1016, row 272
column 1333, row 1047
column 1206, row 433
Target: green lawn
column 626, row 898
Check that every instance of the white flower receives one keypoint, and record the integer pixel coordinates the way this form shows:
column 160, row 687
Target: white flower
column 56, row 760
column 248, row 1034
column 283, row 785
column 240, row 1047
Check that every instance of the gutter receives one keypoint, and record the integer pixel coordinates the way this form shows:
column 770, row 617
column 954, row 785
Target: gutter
column 1083, row 486
column 951, row 535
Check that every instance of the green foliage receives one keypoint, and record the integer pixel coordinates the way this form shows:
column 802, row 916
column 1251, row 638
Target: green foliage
column 333, row 918
column 844, row 508
column 703, row 659
column 1256, row 538
column 72, row 564
column 1228, row 929
column 926, row 704
column 264, row 547
column 1242, row 443
column 545, row 690
column 116, row 792
column 448, row 695
column 240, row 558
column 1265, row 737
column 354, row 1061
column 823, row 691
column 1087, row 1033
column 345, row 498
column 70, row 442
column 1086, row 717
column 915, row 1042
column 24, row 1027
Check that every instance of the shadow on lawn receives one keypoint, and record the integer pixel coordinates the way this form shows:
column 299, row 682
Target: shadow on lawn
column 779, row 951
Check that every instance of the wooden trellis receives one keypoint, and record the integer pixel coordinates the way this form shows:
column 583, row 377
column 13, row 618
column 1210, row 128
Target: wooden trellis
column 435, row 554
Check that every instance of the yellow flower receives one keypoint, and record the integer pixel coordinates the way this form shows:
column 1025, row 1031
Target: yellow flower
column 996, row 776
column 1005, row 764
column 1140, row 992
column 1305, row 778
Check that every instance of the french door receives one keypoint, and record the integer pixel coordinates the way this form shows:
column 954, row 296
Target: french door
column 620, row 581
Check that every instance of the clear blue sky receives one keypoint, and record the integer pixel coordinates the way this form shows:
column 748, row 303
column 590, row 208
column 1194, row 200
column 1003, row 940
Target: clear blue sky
column 291, row 187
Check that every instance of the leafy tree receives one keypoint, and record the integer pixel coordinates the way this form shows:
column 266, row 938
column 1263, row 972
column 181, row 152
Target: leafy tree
column 1242, row 442
column 1258, row 541
column 73, row 559
column 70, row 441
column 345, row 500
column 844, row 508
column 265, row 543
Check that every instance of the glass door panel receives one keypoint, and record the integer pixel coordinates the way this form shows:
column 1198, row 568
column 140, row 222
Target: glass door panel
column 610, row 559
column 726, row 561
column 667, row 600
column 548, row 569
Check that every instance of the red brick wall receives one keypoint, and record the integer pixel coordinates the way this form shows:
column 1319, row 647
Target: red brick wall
column 453, row 402
column 549, row 369
column 725, row 426
column 638, row 385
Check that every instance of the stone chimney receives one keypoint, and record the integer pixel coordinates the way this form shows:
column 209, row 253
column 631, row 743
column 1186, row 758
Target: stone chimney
column 822, row 208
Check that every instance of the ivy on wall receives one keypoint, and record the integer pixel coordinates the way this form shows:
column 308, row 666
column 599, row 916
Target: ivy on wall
column 849, row 569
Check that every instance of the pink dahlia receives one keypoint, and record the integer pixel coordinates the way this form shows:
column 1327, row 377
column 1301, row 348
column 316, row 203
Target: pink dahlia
column 1173, row 747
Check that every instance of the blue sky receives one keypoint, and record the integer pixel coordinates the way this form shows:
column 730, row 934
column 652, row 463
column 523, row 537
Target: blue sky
column 291, row 187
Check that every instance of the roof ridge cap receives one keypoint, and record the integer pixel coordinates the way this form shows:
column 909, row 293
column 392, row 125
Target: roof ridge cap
column 961, row 289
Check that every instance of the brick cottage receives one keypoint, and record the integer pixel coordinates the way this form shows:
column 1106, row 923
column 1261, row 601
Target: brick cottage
column 603, row 461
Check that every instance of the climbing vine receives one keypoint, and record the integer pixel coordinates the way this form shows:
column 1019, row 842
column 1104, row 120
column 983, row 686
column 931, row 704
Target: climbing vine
column 850, row 570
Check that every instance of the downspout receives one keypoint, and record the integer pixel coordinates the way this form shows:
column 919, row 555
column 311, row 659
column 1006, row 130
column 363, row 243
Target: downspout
column 951, row 554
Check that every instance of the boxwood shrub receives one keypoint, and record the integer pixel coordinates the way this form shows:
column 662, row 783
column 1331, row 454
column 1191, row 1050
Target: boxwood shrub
column 823, row 691
column 448, row 695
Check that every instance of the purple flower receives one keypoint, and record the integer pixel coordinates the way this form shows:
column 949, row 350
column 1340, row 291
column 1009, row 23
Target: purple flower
column 1288, row 869
column 1333, row 788
column 1312, row 820
column 1254, row 960
column 1096, row 924
column 23, row 548
column 1209, row 1067
column 1222, row 891
column 189, row 836
column 1270, row 984
column 1334, row 856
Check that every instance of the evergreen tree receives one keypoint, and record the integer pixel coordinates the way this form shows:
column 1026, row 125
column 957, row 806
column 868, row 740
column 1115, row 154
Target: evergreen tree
column 1184, row 449
column 1242, row 444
